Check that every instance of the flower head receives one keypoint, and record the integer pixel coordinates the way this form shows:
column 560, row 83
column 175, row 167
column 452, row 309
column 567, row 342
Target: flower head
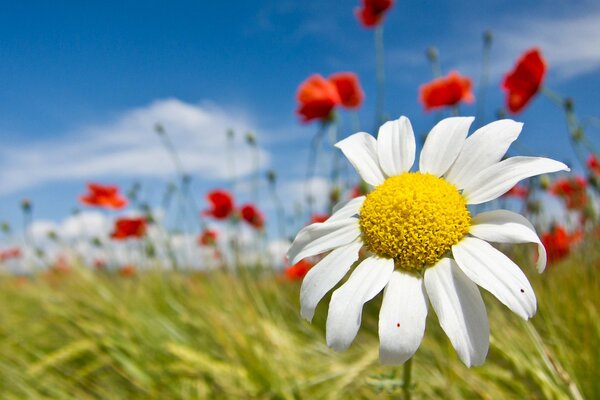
column 298, row 271
column 221, row 202
column 372, row 12
column 572, row 190
column 317, row 97
column 518, row 191
column 208, row 237
column 593, row 164
column 349, row 90
column 125, row 228
column 10, row 253
column 103, row 196
column 318, row 218
column 446, row 91
column 558, row 242
column 127, row 271
column 252, row 216
column 421, row 242
column 524, row 81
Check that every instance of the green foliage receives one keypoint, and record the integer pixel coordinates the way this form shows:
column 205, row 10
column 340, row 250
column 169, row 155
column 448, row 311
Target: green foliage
column 167, row 335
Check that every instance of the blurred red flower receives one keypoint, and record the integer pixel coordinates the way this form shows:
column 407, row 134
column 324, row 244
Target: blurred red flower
column 10, row 253
column 127, row 271
column 253, row 216
column 298, row 271
column 99, row 264
column 593, row 164
column 318, row 218
column 372, row 11
column 104, row 196
column 221, row 202
column 518, row 191
column 558, row 242
column 572, row 190
column 134, row 227
column 524, row 81
column 208, row 237
column 446, row 91
column 348, row 88
column 317, row 97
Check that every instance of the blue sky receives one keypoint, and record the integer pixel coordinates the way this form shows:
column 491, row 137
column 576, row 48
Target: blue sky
column 82, row 84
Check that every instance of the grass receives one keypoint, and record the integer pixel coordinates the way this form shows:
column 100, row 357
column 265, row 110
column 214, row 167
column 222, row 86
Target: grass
column 87, row 335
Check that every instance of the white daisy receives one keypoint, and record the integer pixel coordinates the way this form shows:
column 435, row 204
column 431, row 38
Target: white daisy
column 423, row 245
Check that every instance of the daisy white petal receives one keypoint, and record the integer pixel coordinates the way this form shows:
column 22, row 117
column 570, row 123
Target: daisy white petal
column 496, row 273
column 345, row 309
column 346, row 209
column 321, row 237
column 498, row 178
column 324, row 276
column 503, row 226
column 401, row 318
column 486, row 146
column 361, row 150
column 460, row 310
column 396, row 146
column 443, row 144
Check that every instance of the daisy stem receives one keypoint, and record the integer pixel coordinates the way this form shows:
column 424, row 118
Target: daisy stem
column 379, row 74
column 406, row 378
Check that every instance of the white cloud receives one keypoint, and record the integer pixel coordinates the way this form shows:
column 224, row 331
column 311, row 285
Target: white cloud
column 293, row 192
column 569, row 43
column 128, row 146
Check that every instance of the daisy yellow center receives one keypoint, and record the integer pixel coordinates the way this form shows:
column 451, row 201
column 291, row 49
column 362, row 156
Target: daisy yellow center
column 414, row 218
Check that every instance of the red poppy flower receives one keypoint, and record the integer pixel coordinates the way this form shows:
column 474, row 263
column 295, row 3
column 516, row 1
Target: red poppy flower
column 129, row 228
column 518, row 191
column 319, row 218
column 572, row 190
column 99, row 264
column 446, row 91
column 208, row 237
column 11, row 253
column 253, row 216
column 317, row 97
column 127, row 271
column 524, row 81
column 298, row 271
column 372, row 11
column 348, row 87
column 593, row 164
column 558, row 242
column 222, row 204
column 104, row 196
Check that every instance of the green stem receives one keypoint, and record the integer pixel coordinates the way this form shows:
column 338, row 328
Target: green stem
column 315, row 144
column 483, row 81
column 573, row 126
column 406, row 379
column 335, row 155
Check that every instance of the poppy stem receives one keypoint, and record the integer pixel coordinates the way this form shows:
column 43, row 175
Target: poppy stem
column 279, row 212
column 335, row 155
column 406, row 379
column 379, row 75
column 484, row 77
column 231, row 159
column 574, row 128
column 315, row 145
